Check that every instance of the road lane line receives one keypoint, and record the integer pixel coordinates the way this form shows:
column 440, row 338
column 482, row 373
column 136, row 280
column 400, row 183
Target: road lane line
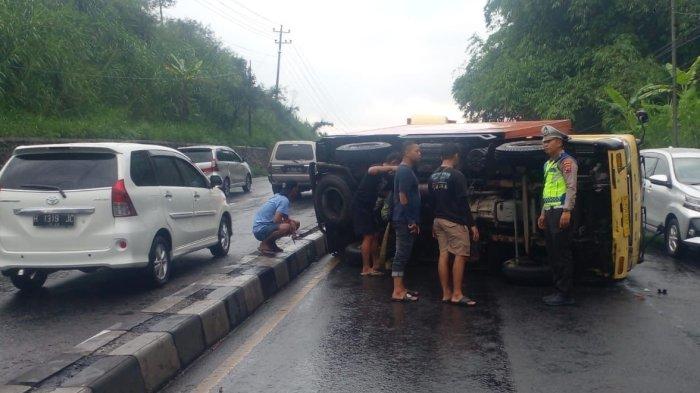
column 215, row 378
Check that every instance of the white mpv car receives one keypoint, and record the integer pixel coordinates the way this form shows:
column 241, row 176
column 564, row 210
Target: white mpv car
column 118, row 205
column 672, row 196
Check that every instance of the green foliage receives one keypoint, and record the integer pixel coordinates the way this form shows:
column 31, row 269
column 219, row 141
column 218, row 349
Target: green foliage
column 80, row 68
column 622, row 117
column 555, row 58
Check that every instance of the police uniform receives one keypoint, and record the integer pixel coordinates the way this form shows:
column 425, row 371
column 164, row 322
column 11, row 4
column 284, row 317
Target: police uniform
column 559, row 195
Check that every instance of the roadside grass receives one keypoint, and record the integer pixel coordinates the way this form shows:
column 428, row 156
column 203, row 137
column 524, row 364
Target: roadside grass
column 116, row 124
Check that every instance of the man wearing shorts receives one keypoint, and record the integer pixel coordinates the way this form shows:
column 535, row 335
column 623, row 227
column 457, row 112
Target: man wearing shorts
column 365, row 217
column 272, row 220
column 453, row 222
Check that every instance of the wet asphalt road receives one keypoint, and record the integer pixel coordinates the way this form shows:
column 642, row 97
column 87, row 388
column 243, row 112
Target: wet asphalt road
column 75, row 305
column 338, row 332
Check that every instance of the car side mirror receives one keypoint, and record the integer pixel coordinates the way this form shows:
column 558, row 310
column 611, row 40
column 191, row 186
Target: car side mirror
column 215, row 181
column 661, row 180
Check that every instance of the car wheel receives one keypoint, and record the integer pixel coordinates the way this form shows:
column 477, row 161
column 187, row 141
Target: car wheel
column 224, row 239
column 248, row 184
column 332, row 199
column 226, row 187
column 29, row 281
column 159, row 262
column 673, row 242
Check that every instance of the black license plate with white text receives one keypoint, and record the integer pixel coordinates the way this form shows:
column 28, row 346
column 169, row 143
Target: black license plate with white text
column 54, row 220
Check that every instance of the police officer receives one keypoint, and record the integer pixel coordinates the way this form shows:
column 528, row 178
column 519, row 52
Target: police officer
column 559, row 198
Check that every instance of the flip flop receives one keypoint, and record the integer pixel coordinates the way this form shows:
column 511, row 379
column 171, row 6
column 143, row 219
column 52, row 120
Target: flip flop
column 407, row 298
column 373, row 273
column 413, row 293
column 464, row 302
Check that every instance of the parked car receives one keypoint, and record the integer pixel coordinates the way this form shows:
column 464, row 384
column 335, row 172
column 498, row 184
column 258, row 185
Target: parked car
column 224, row 162
column 503, row 164
column 672, row 196
column 119, row 205
column 290, row 160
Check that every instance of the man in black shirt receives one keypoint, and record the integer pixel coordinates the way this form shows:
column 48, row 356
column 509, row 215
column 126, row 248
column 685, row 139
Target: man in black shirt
column 365, row 218
column 453, row 222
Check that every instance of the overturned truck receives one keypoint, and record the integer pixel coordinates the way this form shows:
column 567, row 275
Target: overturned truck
column 503, row 163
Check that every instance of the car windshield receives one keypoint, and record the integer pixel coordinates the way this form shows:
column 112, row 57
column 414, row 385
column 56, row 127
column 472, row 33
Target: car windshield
column 687, row 169
column 62, row 171
column 294, row 151
column 198, row 155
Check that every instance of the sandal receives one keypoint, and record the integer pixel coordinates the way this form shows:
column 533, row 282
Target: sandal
column 373, row 273
column 265, row 252
column 464, row 302
column 407, row 298
column 413, row 293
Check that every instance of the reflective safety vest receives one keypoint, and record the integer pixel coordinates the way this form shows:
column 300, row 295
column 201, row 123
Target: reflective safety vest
column 554, row 192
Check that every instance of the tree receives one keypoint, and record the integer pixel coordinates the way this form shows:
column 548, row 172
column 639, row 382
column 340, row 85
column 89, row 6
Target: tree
column 553, row 58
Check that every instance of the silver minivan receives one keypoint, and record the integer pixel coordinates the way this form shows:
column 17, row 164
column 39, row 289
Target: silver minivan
column 290, row 160
column 672, row 196
column 222, row 161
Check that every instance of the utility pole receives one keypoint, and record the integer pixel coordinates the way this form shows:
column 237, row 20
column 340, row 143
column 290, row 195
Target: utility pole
column 160, row 3
column 250, row 96
column 674, row 96
column 279, row 42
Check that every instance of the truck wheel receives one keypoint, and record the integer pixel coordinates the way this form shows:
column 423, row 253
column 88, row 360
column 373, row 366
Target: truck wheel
column 521, row 152
column 332, row 199
column 672, row 237
column 159, row 266
column 527, row 272
column 30, row 281
column 363, row 153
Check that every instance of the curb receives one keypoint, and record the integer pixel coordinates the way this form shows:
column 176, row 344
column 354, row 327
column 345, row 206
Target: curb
column 142, row 356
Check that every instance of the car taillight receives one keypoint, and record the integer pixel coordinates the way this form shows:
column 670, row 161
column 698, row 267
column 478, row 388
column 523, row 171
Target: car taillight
column 213, row 168
column 121, row 203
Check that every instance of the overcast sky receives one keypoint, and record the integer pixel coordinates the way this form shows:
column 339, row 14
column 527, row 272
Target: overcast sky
column 359, row 64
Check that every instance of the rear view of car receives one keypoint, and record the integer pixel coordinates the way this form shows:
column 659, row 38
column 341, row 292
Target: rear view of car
column 87, row 206
column 290, row 161
column 224, row 162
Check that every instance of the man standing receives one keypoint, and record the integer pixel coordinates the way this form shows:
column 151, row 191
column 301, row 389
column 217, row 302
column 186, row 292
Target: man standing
column 365, row 218
column 559, row 199
column 453, row 222
column 406, row 218
column 272, row 220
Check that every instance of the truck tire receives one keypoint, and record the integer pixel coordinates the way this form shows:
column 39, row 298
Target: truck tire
column 521, row 152
column 332, row 198
column 524, row 271
column 363, row 153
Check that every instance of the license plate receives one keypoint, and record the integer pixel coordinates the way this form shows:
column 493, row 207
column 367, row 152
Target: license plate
column 54, row 220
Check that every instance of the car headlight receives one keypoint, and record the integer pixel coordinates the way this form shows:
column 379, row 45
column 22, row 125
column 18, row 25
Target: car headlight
column 692, row 203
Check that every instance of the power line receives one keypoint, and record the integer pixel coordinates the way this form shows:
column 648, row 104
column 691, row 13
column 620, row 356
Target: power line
column 324, row 90
column 313, row 92
column 262, row 28
column 225, row 15
column 254, row 13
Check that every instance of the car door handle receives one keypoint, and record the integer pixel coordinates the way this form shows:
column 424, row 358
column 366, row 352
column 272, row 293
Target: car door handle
column 196, row 195
column 168, row 195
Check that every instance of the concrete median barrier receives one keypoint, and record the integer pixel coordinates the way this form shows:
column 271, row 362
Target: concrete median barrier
column 142, row 354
